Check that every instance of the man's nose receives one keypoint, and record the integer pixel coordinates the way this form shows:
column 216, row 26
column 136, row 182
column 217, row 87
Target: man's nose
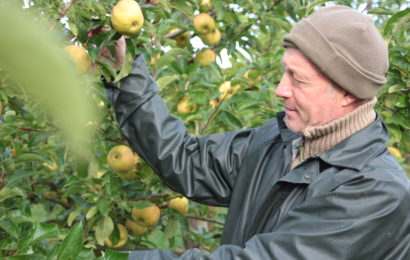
column 283, row 89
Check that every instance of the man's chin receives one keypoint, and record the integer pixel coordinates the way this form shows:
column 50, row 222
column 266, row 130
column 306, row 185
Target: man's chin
column 291, row 125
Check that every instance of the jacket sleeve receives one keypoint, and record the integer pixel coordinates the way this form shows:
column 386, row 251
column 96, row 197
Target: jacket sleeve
column 363, row 219
column 203, row 169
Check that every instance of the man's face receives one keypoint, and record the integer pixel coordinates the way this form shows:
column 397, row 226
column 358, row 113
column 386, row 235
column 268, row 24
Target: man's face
column 309, row 97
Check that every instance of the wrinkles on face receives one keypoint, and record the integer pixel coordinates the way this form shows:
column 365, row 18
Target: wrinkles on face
column 309, row 97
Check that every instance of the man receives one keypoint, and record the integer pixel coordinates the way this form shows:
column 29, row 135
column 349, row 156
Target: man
column 317, row 182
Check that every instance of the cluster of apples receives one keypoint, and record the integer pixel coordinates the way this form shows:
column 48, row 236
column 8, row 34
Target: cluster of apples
column 122, row 159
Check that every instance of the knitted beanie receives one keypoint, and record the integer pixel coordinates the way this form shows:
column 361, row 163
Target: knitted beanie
column 346, row 46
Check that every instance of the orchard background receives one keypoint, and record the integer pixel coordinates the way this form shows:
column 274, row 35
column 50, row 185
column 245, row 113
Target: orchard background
column 60, row 203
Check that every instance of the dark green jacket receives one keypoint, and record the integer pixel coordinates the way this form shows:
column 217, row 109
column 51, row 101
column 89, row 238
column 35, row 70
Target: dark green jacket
column 350, row 202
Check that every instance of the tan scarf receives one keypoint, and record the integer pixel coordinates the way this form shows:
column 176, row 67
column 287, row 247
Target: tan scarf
column 318, row 139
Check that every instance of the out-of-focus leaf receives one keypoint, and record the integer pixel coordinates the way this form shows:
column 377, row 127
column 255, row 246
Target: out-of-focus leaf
column 104, row 229
column 28, row 157
column 104, row 206
column 380, row 11
column 166, row 80
column 158, row 238
column 114, row 255
column 45, row 71
column 184, row 7
column 40, row 231
column 91, row 212
column 10, row 227
column 6, row 193
column 72, row 216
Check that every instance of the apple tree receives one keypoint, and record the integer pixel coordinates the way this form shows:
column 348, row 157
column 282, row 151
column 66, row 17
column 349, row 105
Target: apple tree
column 217, row 64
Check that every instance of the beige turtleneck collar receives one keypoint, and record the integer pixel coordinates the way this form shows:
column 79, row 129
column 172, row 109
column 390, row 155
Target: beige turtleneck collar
column 317, row 139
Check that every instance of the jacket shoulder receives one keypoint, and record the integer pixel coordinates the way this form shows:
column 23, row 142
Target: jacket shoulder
column 267, row 133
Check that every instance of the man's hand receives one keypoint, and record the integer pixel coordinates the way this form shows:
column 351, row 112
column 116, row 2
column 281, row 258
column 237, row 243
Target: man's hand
column 115, row 56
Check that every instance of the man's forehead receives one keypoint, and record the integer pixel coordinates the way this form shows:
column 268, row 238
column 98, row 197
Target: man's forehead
column 293, row 59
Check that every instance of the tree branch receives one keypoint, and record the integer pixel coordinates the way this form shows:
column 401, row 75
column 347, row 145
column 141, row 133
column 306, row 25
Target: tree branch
column 211, row 117
column 62, row 13
column 205, row 219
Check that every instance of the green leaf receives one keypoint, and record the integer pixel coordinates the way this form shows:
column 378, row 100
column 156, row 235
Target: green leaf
column 380, row 11
column 40, row 231
column 165, row 4
column 104, row 206
column 103, row 230
column 166, row 80
column 396, row 17
column 158, row 238
column 184, row 7
column 231, row 119
column 91, row 212
column 10, row 227
column 6, row 193
column 177, row 52
column 114, row 255
column 29, row 157
column 39, row 212
column 72, row 216
column 279, row 21
column 72, row 244
column 87, row 254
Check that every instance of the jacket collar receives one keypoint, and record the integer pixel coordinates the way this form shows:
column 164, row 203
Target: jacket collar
column 355, row 151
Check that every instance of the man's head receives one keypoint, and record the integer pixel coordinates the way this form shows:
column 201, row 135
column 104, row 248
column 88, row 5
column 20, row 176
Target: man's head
column 342, row 49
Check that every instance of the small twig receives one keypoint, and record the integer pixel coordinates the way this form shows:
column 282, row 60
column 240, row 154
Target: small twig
column 211, row 117
column 62, row 13
column 58, row 201
column 174, row 34
column 205, row 219
column 2, row 179
column 150, row 3
column 30, row 129
column 50, row 184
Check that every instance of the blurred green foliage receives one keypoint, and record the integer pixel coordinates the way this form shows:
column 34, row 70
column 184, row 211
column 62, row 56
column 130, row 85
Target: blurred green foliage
column 55, row 204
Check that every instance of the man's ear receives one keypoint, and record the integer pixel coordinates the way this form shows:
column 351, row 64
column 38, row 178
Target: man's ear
column 349, row 99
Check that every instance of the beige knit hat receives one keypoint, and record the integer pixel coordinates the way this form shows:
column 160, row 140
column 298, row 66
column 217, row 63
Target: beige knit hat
column 346, row 46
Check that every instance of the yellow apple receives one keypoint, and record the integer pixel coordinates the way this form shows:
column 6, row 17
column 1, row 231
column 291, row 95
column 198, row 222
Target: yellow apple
column 122, row 239
column 250, row 80
column 205, row 57
column 184, row 107
column 227, row 90
column 146, row 217
column 205, row 6
column 179, row 204
column 80, row 57
column 136, row 230
column 394, row 151
column 121, row 158
column 213, row 102
column 204, row 23
column 127, row 17
column 154, row 59
column 182, row 39
column 211, row 38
